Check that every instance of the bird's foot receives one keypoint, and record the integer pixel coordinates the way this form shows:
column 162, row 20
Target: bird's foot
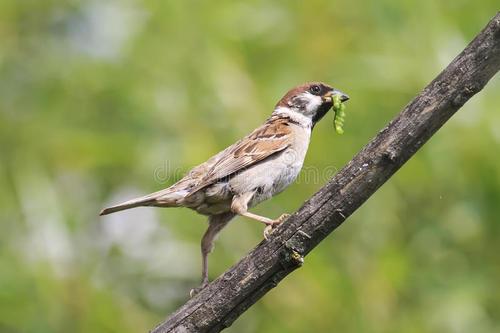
column 270, row 227
column 196, row 290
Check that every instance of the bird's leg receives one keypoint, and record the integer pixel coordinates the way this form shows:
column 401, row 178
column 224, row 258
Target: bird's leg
column 215, row 224
column 239, row 206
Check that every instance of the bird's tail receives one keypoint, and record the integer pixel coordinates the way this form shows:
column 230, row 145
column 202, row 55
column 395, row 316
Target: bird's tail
column 163, row 198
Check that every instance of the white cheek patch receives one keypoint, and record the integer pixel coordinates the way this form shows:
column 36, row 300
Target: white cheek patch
column 313, row 102
column 296, row 116
column 302, row 108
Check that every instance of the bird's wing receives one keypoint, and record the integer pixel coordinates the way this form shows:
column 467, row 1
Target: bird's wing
column 268, row 139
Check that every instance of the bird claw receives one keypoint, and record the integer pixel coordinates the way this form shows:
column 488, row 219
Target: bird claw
column 282, row 218
column 268, row 230
column 193, row 292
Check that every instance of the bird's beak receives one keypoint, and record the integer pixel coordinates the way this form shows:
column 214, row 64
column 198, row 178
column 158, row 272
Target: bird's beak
column 328, row 96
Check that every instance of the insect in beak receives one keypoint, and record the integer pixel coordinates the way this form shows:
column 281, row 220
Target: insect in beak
column 328, row 97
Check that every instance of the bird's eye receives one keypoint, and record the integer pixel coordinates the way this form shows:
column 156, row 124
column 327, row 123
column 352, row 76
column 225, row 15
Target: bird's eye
column 315, row 89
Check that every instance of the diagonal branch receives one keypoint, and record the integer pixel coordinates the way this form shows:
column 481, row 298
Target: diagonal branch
column 225, row 299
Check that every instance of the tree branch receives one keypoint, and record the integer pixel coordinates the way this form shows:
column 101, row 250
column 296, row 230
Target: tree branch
column 225, row 299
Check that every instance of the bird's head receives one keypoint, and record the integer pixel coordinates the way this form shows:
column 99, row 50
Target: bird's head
column 309, row 102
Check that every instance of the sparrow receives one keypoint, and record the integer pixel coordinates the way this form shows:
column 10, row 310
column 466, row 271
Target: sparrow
column 252, row 170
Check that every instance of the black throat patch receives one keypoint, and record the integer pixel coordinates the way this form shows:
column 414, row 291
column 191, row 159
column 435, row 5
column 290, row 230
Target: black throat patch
column 322, row 110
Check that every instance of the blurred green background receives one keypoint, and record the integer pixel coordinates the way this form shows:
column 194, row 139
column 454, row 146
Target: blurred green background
column 101, row 101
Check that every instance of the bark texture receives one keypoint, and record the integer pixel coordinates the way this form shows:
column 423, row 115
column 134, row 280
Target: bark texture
column 226, row 298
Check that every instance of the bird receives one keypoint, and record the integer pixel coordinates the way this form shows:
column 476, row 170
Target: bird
column 254, row 169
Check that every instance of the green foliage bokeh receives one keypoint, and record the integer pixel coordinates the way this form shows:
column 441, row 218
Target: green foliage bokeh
column 104, row 100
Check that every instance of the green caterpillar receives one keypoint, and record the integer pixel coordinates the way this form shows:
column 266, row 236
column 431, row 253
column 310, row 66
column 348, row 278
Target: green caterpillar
column 338, row 119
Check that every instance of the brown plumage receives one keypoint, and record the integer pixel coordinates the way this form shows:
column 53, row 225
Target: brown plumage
column 253, row 169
